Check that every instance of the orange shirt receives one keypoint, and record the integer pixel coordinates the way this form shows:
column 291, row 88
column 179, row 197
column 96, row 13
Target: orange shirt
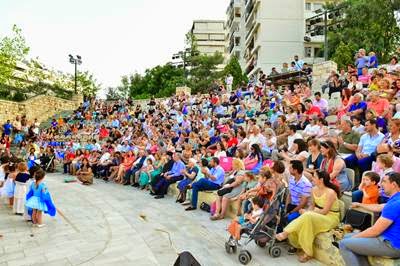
column 379, row 106
column 373, row 193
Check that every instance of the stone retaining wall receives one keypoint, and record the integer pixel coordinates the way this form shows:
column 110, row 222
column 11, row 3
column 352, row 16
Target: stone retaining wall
column 41, row 107
column 321, row 72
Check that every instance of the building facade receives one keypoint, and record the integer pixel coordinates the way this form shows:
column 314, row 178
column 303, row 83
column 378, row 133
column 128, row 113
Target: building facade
column 210, row 36
column 263, row 34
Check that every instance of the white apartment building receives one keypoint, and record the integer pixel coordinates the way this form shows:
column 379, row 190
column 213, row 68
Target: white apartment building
column 266, row 33
column 210, row 36
column 312, row 49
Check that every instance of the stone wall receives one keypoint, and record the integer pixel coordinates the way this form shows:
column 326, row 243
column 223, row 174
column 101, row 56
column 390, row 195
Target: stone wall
column 321, row 72
column 41, row 107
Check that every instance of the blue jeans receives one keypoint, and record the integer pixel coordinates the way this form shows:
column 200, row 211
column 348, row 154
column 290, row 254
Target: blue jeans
column 184, row 183
column 363, row 164
column 201, row 185
column 161, row 188
column 357, row 196
column 355, row 251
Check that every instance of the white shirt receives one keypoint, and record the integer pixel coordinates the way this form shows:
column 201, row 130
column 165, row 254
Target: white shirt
column 358, row 86
column 106, row 156
column 229, row 80
column 311, row 130
column 292, row 138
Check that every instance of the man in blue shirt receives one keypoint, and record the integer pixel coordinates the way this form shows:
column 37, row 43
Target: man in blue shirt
column 7, row 128
column 363, row 157
column 358, row 107
column 170, row 177
column 382, row 239
column 213, row 180
column 361, row 61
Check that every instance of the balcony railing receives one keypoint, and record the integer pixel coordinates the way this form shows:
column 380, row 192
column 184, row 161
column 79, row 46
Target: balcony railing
column 249, row 9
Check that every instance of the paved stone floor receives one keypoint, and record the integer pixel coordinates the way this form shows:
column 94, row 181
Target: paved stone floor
column 107, row 224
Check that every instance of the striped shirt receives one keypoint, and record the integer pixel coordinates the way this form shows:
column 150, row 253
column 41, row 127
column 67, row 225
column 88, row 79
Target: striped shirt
column 300, row 189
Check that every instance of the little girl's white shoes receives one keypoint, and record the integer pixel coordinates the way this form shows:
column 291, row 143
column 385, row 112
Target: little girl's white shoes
column 38, row 225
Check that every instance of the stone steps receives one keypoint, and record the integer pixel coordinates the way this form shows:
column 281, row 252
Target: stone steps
column 208, row 197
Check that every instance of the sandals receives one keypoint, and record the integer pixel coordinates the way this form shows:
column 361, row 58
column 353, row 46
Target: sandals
column 216, row 218
column 304, row 258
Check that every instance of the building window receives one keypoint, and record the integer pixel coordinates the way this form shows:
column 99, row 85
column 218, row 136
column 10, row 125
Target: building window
column 307, row 51
column 237, row 54
column 318, row 6
column 318, row 52
column 308, row 6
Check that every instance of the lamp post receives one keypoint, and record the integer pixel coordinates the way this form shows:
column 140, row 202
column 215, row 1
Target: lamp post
column 76, row 61
column 322, row 23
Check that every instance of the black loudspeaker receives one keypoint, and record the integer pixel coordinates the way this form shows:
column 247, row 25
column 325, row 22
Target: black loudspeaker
column 186, row 259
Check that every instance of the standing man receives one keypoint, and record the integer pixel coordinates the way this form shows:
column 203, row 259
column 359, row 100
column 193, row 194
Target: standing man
column 7, row 127
column 229, row 82
column 362, row 61
column 298, row 64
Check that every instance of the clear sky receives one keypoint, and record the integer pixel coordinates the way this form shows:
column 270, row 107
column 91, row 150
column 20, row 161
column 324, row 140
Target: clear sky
column 114, row 37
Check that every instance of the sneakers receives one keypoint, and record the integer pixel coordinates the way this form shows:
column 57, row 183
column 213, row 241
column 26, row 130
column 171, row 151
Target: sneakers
column 38, row 225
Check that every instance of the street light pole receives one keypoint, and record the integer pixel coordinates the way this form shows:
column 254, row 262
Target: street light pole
column 76, row 76
column 326, row 35
column 76, row 61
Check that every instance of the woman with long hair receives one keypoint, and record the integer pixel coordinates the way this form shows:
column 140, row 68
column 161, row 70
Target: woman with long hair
column 322, row 216
column 253, row 162
column 299, row 152
column 347, row 101
column 126, row 164
column 85, row 174
column 335, row 166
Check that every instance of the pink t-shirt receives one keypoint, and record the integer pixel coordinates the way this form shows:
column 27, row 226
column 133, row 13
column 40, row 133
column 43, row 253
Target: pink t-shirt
column 365, row 79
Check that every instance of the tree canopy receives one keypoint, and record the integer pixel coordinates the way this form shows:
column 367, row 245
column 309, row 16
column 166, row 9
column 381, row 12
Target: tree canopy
column 368, row 24
column 12, row 50
column 233, row 67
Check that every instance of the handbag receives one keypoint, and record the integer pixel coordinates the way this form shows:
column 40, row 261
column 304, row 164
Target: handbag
column 358, row 220
column 226, row 190
column 205, row 207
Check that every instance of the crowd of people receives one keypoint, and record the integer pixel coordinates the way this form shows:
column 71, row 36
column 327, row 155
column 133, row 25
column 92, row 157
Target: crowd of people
column 246, row 144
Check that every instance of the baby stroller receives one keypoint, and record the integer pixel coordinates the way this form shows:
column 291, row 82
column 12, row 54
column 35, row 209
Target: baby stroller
column 263, row 233
column 46, row 162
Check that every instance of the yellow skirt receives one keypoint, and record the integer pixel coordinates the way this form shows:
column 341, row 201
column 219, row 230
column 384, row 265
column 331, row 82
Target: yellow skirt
column 303, row 230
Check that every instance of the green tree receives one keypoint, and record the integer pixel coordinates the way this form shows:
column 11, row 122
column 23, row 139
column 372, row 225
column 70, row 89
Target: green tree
column 160, row 81
column 204, row 71
column 343, row 55
column 87, row 84
column 233, row 67
column 368, row 24
column 12, row 50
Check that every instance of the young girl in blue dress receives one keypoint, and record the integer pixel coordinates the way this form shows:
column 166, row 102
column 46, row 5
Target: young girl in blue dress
column 38, row 199
column 9, row 185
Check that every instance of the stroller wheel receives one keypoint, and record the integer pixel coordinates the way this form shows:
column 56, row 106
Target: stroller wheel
column 275, row 252
column 228, row 248
column 261, row 244
column 234, row 249
column 244, row 257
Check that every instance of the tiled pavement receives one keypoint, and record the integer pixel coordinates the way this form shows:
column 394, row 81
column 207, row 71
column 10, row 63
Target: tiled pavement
column 108, row 224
